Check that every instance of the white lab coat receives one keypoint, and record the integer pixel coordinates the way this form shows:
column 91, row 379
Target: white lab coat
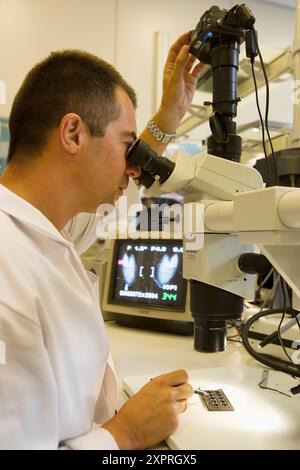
column 56, row 376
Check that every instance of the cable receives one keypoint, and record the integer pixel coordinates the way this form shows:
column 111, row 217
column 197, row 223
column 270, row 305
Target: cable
column 270, row 361
column 295, row 390
column 297, row 321
column 273, row 336
column 266, row 278
column 282, row 284
column 289, row 290
column 261, row 123
column 237, row 325
column 267, row 104
column 265, row 387
column 272, row 293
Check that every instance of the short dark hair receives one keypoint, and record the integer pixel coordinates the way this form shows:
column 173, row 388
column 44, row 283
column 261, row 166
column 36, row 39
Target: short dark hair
column 66, row 81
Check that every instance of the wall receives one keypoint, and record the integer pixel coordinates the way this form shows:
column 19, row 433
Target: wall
column 139, row 19
column 135, row 39
column 122, row 32
column 31, row 29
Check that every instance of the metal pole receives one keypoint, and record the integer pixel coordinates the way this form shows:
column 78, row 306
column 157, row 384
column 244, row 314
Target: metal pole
column 294, row 139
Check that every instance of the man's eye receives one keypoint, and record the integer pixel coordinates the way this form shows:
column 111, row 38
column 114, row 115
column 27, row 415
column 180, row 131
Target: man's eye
column 128, row 147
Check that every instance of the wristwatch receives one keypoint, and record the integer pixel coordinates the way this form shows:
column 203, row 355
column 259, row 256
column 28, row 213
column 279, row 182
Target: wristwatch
column 158, row 134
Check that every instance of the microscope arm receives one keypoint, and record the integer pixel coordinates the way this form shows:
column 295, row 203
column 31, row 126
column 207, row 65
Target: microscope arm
column 262, row 211
column 272, row 221
column 268, row 218
column 207, row 175
column 235, row 202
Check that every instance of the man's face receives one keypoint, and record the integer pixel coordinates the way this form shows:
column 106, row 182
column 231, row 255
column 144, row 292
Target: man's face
column 106, row 171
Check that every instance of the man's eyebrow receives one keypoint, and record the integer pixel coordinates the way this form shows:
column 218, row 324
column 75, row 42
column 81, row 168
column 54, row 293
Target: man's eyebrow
column 129, row 134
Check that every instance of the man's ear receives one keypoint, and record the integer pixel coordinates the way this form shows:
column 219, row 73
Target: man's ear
column 72, row 132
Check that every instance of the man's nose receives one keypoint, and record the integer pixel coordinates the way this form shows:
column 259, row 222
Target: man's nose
column 132, row 171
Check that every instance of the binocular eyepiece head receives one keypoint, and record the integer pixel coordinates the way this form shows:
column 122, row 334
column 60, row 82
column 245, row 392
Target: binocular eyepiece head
column 153, row 167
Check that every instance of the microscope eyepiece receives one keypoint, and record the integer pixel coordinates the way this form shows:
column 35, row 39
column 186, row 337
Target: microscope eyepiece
column 152, row 165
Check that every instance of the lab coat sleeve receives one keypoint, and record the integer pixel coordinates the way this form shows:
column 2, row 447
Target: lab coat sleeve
column 29, row 406
column 98, row 439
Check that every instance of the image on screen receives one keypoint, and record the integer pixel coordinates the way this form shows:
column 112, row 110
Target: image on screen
column 149, row 273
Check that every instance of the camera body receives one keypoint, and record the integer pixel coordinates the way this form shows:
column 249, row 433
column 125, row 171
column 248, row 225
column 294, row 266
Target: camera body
column 218, row 25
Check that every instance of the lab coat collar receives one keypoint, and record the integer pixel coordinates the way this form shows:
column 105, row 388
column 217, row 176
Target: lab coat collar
column 17, row 207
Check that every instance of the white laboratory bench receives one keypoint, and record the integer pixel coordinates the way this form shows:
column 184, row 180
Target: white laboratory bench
column 140, row 352
column 148, row 353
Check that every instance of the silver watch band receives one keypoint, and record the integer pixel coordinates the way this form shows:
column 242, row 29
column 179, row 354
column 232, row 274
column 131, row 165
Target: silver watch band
column 158, row 134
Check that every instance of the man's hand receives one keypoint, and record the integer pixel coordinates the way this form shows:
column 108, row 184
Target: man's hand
column 179, row 84
column 151, row 415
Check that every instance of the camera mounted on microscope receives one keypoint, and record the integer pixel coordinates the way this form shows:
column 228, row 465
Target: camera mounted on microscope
column 216, row 41
column 216, row 26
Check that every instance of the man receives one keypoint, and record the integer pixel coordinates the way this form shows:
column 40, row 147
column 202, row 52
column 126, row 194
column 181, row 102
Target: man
column 71, row 125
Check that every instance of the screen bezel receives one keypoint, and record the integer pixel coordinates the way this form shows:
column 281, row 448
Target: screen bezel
column 112, row 300
column 110, row 307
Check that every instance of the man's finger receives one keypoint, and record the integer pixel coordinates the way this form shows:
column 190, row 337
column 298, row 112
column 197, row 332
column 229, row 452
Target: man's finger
column 182, row 392
column 181, row 406
column 176, row 47
column 181, row 62
column 190, row 63
column 197, row 71
column 175, row 378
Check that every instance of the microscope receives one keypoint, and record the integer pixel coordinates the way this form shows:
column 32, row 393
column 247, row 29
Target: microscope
column 245, row 225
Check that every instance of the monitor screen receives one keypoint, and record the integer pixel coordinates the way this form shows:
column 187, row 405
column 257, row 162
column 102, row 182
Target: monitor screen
column 148, row 273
